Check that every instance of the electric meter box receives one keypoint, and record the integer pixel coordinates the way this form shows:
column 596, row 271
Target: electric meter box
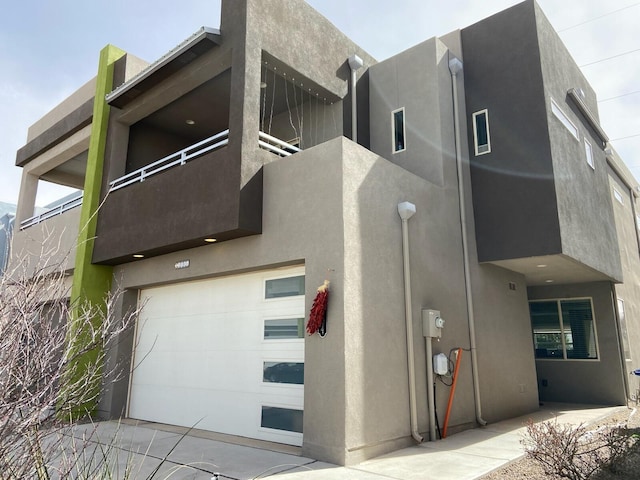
column 432, row 323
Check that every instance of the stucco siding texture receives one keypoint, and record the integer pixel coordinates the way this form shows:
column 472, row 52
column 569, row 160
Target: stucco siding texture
column 171, row 210
column 629, row 291
column 333, row 207
column 50, row 243
column 584, row 204
column 514, row 194
column 417, row 80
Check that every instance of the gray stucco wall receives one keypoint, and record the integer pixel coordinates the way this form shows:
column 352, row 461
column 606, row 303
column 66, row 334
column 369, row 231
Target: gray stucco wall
column 50, row 244
column 584, row 204
column 629, row 291
column 417, row 79
column 598, row 381
column 514, row 195
column 344, row 220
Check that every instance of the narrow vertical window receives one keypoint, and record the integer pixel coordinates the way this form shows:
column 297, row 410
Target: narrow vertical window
column 397, row 123
column 481, row 139
column 618, row 196
column 623, row 330
column 588, row 150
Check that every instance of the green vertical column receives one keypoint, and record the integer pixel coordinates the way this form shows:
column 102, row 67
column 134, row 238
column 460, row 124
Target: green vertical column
column 91, row 283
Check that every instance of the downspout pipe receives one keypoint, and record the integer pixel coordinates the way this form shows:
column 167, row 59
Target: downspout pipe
column 355, row 63
column 406, row 210
column 455, row 67
column 431, row 400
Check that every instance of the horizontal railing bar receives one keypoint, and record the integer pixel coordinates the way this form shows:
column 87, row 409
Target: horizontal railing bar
column 170, row 161
column 273, row 148
column 57, row 210
column 276, row 140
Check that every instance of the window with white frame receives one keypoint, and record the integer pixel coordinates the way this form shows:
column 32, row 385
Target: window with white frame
column 623, row 329
column 481, row 137
column 398, row 130
column 618, row 196
column 560, row 115
column 564, row 329
column 588, row 150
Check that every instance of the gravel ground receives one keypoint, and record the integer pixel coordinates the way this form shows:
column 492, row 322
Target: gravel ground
column 528, row 469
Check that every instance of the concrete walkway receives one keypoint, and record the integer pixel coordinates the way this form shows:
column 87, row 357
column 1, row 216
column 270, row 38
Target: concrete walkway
column 200, row 456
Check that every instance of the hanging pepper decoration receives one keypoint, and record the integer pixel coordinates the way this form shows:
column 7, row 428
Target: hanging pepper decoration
column 318, row 314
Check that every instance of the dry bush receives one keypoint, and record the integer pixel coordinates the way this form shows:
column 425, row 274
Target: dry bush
column 44, row 374
column 573, row 452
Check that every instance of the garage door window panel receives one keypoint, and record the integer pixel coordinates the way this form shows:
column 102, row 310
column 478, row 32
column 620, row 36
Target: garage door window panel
column 284, row 287
column 278, row 418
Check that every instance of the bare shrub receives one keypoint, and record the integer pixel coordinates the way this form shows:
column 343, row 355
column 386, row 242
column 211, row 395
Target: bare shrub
column 44, row 374
column 573, row 452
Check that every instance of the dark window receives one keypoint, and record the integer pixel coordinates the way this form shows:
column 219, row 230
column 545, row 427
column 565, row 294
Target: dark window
column 481, row 132
column 563, row 329
column 282, row 419
column 283, row 372
column 398, row 131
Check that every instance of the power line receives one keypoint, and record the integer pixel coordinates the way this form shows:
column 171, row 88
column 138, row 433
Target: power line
column 598, row 18
column 618, row 96
column 609, row 58
column 624, row 138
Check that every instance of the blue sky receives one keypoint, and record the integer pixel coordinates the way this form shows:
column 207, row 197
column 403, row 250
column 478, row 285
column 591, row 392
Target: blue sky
column 48, row 49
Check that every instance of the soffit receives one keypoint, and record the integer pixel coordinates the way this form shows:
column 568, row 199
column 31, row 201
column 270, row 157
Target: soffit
column 193, row 47
column 552, row 270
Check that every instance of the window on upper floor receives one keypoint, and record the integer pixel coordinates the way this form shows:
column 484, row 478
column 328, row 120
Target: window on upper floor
column 588, row 150
column 481, row 138
column 618, row 196
column 564, row 329
column 398, row 130
column 564, row 119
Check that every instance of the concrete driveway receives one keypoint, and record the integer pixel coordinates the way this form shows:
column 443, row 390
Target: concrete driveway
column 180, row 454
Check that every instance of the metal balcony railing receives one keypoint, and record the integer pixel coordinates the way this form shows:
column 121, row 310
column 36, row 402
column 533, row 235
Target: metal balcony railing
column 58, row 210
column 179, row 158
column 275, row 145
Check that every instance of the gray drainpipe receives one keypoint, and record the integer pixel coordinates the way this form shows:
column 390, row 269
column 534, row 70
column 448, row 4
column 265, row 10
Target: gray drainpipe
column 355, row 63
column 455, row 67
column 406, row 211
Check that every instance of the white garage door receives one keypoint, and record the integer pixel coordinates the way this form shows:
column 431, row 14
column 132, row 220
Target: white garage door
column 224, row 354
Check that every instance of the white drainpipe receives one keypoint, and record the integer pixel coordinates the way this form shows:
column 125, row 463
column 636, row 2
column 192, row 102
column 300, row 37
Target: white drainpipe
column 406, row 211
column 355, row 63
column 455, row 67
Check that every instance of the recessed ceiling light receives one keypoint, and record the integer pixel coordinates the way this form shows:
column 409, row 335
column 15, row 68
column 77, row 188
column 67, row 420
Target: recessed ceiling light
column 190, row 122
column 549, row 281
column 210, row 240
column 541, row 265
column 138, row 255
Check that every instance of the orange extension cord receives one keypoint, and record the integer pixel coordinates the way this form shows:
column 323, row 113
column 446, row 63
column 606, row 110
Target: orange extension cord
column 452, row 392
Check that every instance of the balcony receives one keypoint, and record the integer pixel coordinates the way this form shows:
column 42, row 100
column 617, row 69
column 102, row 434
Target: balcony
column 48, row 238
column 180, row 200
column 63, row 207
column 266, row 142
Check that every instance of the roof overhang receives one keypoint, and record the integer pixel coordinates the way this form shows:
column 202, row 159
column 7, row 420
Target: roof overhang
column 588, row 115
column 193, row 47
